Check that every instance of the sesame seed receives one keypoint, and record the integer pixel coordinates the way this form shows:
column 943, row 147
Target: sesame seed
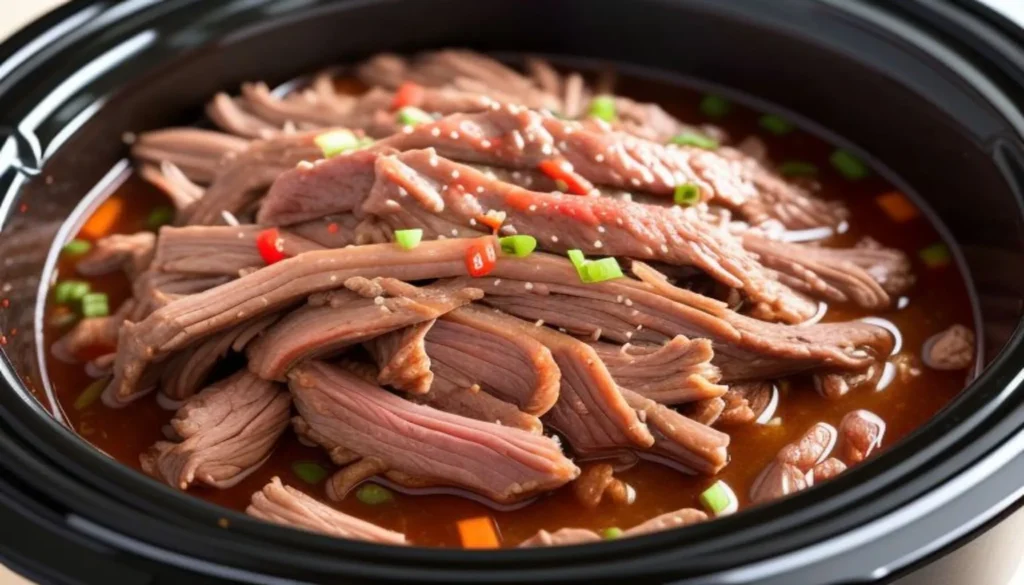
column 539, row 322
column 402, row 192
column 378, row 300
column 618, row 299
column 528, row 286
column 546, row 149
column 629, row 302
column 598, row 244
column 433, row 161
column 455, row 174
column 455, row 232
column 435, row 131
column 497, row 281
column 629, row 335
column 454, row 135
column 600, row 229
column 599, row 157
column 334, row 278
column 518, row 138
column 532, row 207
column 485, row 143
column 406, row 129
column 472, row 221
column 304, row 165
column 618, row 220
column 640, row 327
column 480, row 189
column 664, row 249
column 495, row 106
column 562, row 145
column 635, row 182
column 562, row 329
column 392, row 204
column 554, row 238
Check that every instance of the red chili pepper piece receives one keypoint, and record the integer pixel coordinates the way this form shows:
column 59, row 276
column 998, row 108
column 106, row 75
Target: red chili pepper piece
column 408, row 94
column 559, row 170
column 480, row 258
column 270, row 246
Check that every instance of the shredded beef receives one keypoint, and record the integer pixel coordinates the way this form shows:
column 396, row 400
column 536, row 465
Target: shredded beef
column 196, row 152
column 675, row 372
column 227, row 432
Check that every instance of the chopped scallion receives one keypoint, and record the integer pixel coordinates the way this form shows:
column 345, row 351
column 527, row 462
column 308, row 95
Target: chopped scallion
column 603, row 107
column 611, row 533
column 159, row 217
column 797, row 168
column 602, row 270
column 77, row 247
column 409, row 239
column 687, row 194
column 309, row 472
column 373, row 494
column 69, row 291
column 336, row 142
column 935, row 256
column 91, row 393
column 849, row 165
column 719, row 499
column 777, row 125
column 715, row 106
column 519, row 246
column 95, row 305
column 694, row 139
column 578, row 261
column 412, row 116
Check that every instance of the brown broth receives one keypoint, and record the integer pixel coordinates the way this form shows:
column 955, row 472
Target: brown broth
column 938, row 300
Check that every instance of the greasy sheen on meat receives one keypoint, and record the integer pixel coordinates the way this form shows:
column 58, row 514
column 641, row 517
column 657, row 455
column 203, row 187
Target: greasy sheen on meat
column 227, row 431
column 501, row 463
column 187, row 319
column 338, row 319
column 286, row 505
column 421, row 189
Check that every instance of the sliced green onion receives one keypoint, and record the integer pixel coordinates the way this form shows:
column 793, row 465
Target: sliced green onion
column 518, row 246
column 935, row 256
column 602, row 270
column 603, row 107
column 159, row 217
column 797, row 168
column 336, row 142
column 578, row 261
column 373, row 494
column 777, row 125
column 611, row 533
column 409, row 239
column 715, row 106
column 719, row 499
column 69, row 291
column 95, row 305
column 694, row 139
column 366, row 141
column 412, row 116
column 91, row 393
column 849, row 165
column 686, row 194
column 309, row 472
column 77, row 247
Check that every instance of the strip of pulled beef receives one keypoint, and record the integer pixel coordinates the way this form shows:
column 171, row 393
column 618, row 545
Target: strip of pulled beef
column 517, row 137
column 501, row 463
column 566, row 536
column 338, row 319
column 624, row 310
column 675, row 372
column 197, row 152
column 286, row 505
column 420, row 189
column 227, row 431
column 130, row 253
column 188, row 319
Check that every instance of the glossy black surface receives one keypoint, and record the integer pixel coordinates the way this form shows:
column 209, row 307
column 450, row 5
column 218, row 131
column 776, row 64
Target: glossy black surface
column 916, row 91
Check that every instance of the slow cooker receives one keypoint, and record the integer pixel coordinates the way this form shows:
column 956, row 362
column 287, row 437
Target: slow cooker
column 932, row 91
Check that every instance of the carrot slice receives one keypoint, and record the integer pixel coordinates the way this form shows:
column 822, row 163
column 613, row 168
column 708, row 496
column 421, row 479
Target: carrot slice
column 102, row 221
column 897, row 206
column 478, row 532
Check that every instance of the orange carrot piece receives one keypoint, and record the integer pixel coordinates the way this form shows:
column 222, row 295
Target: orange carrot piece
column 478, row 532
column 897, row 206
column 102, row 221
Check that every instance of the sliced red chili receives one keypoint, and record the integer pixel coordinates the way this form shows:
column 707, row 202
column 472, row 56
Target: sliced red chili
column 481, row 257
column 561, row 172
column 270, row 245
column 492, row 220
column 408, row 94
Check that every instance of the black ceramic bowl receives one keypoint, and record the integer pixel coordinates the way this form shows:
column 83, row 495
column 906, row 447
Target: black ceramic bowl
column 931, row 92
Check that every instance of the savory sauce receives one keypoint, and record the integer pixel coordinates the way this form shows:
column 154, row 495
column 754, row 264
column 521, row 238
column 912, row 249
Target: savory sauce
column 937, row 300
